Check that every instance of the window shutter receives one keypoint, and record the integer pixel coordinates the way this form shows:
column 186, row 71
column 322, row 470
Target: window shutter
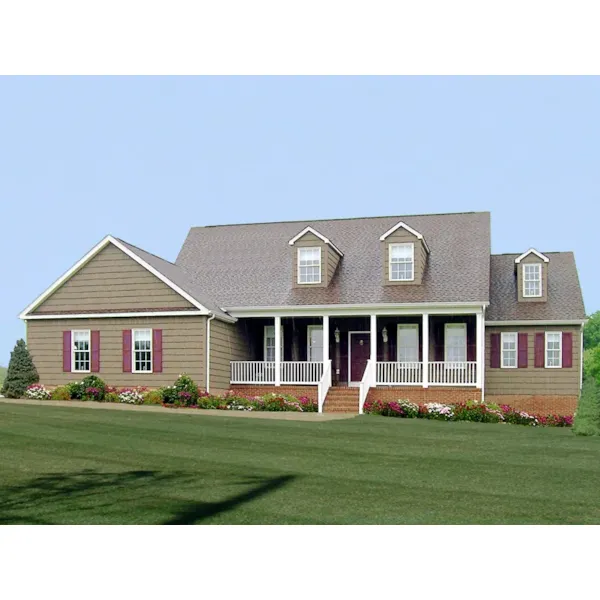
column 66, row 351
column 157, row 350
column 567, row 349
column 539, row 351
column 126, row 350
column 523, row 344
column 495, row 350
column 95, row 341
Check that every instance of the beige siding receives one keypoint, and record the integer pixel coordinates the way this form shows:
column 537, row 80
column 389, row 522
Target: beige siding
column 532, row 258
column 227, row 342
column 532, row 380
column 111, row 281
column 401, row 236
column 333, row 259
column 329, row 260
column 183, row 349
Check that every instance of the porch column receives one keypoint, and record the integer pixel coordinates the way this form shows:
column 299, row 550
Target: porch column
column 479, row 351
column 373, row 338
column 277, row 350
column 425, row 350
column 325, row 340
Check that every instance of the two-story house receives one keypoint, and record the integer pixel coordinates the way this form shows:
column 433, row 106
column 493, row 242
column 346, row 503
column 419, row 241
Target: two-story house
column 411, row 307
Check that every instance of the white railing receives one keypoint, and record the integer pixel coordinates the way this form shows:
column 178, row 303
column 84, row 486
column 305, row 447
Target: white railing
column 452, row 373
column 399, row 373
column 301, row 372
column 252, row 371
column 324, row 385
column 367, row 382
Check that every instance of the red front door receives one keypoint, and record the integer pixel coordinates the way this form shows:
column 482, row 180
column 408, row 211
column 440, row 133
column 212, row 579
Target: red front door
column 360, row 352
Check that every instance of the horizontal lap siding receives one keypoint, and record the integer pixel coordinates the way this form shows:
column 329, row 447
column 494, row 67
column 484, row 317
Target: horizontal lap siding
column 228, row 342
column 112, row 280
column 531, row 380
column 183, row 349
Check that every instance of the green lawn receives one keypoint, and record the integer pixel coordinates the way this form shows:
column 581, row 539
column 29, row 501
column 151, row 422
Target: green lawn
column 69, row 465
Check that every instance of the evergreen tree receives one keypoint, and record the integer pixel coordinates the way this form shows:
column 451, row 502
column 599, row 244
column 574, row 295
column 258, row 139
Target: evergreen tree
column 587, row 417
column 21, row 372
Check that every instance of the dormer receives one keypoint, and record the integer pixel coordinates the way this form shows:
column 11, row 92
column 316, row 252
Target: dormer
column 532, row 276
column 404, row 252
column 315, row 259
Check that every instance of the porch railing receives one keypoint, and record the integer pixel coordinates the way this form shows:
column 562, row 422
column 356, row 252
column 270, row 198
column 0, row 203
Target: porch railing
column 399, row 373
column 324, row 385
column 367, row 382
column 299, row 372
column 252, row 371
column 453, row 373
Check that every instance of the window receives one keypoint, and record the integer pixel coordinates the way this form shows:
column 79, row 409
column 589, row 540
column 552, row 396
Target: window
column 532, row 280
column 408, row 343
column 309, row 265
column 553, row 349
column 509, row 350
column 315, row 343
column 402, row 259
column 142, row 350
column 456, row 342
column 80, row 358
column 269, row 343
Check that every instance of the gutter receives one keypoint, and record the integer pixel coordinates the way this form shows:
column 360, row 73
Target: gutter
column 212, row 316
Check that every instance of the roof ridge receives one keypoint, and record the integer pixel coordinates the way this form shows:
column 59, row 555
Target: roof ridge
column 519, row 254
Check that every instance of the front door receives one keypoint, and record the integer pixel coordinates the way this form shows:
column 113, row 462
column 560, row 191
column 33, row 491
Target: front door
column 360, row 352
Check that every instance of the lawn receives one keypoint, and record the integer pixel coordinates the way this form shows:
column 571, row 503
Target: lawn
column 69, row 465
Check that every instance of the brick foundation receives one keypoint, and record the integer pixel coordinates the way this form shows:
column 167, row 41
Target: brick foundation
column 419, row 395
column 541, row 405
column 309, row 391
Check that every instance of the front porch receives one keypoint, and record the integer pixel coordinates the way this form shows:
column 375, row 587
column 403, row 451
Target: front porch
column 367, row 351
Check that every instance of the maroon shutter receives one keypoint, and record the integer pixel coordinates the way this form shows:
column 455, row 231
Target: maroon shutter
column 495, row 350
column 157, row 350
column 95, row 351
column 66, row 351
column 126, row 350
column 567, row 350
column 522, row 350
column 539, row 351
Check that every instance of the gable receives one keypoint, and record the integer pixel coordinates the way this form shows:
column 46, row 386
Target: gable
column 112, row 281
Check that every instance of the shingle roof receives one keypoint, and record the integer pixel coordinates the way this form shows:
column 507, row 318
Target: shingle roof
column 565, row 301
column 251, row 265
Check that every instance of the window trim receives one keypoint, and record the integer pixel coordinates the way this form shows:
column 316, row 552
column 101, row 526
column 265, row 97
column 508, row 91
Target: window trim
column 320, row 265
column 89, row 334
column 133, row 369
column 309, row 328
column 539, row 268
column 462, row 326
column 560, row 348
column 412, row 255
column 516, row 336
column 265, row 343
column 406, row 326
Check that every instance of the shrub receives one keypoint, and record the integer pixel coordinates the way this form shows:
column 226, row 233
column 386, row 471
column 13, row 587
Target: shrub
column 587, row 416
column 111, row 396
column 153, row 397
column 37, row 392
column 478, row 412
column 184, row 392
column 93, row 388
column 21, row 372
column 435, row 410
column 93, row 393
column 518, row 417
column 76, row 390
column 61, row 393
column 132, row 395
column 308, row 405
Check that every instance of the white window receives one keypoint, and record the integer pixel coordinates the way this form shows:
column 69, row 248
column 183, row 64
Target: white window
column 509, row 350
column 532, row 280
column 142, row 351
column 315, row 343
column 456, row 342
column 402, row 259
column 80, row 354
column 269, row 343
column 408, row 343
column 309, row 265
column 553, row 349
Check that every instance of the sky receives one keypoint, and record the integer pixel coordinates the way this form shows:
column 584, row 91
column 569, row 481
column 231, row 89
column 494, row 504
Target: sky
column 145, row 159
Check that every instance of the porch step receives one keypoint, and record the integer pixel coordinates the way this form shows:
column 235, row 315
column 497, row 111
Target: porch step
column 341, row 399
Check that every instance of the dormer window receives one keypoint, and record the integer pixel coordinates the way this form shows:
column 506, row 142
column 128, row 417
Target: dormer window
column 309, row 265
column 532, row 280
column 402, row 262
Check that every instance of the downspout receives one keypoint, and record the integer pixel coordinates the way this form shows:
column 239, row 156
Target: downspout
column 581, row 360
column 482, row 357
column 212, row 316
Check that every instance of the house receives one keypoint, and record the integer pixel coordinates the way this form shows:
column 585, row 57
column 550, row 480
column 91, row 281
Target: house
column 411, row 307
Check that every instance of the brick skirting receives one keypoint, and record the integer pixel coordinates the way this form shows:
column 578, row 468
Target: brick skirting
column 540, row 405
column 419, row 395
column 309, row 391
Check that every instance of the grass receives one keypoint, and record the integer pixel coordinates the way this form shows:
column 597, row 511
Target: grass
column 68, row 465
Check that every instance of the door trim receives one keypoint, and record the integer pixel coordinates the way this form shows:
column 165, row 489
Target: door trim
column 350, row 333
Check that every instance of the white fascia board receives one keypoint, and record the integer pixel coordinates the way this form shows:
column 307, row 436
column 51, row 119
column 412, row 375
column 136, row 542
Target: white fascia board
column 409, row 229
column 531, row 251
column 535, row 322
column 319, row 235
column 164, row 313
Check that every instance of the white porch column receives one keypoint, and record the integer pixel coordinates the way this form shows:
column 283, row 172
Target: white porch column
column 373, row 341
column 325, row 340
column 425, row 350
column 479, row 349
column 277, row 350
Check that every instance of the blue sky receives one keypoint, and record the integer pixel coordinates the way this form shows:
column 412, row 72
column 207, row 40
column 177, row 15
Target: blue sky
column 146, row 158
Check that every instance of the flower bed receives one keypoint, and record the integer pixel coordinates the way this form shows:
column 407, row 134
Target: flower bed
column 37, row 392
column 465, row 411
